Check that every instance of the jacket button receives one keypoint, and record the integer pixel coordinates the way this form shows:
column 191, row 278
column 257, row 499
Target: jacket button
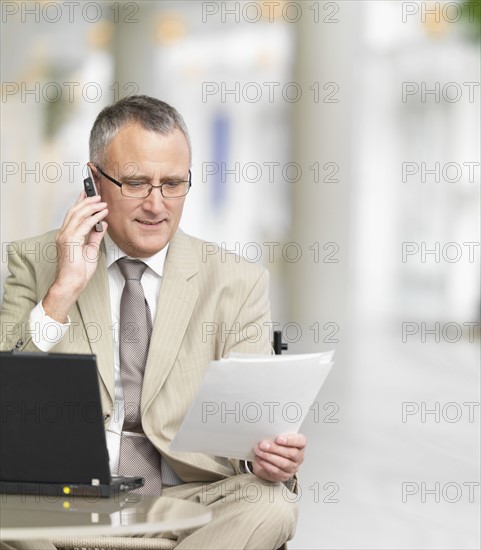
column 106, row 416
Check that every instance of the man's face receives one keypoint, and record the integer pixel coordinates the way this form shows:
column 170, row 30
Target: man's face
column 142, row 227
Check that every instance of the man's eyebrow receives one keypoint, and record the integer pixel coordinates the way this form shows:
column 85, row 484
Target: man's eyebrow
column 144, row 177
column 135, row 177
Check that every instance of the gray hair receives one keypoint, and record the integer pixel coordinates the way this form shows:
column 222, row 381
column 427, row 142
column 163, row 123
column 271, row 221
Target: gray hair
column 150, row 113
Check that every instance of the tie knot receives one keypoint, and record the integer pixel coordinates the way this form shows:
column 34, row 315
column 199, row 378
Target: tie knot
column 131, row 269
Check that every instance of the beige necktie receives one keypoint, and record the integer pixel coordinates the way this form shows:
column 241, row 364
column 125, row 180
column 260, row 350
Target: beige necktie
column 138, row 457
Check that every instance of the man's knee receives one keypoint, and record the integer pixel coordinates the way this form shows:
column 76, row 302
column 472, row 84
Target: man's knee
column 275, row 504
column 283, row 510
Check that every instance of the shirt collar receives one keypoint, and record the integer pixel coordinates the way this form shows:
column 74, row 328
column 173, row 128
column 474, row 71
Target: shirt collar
column 114, row 253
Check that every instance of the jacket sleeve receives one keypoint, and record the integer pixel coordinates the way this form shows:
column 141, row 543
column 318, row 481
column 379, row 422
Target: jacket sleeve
column 21, row 295
column 19, row 299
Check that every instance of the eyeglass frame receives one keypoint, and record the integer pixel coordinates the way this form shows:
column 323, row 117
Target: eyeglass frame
column 120, row 184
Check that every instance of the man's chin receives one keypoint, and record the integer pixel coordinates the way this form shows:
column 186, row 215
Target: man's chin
column 145, row 247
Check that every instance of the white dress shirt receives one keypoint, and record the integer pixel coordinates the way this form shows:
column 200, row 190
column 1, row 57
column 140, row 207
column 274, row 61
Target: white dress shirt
column 46, row 332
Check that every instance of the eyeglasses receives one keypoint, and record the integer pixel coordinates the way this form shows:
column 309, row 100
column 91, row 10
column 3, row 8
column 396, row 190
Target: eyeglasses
column 141, row 190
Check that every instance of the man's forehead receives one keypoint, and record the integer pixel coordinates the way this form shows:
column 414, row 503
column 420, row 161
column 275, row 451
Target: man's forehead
column 143, row 149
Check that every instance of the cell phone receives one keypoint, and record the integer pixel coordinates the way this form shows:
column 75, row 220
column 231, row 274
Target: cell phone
column 91, row 191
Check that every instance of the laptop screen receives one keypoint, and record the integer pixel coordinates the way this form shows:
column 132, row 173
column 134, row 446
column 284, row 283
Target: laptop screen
column 51, row 423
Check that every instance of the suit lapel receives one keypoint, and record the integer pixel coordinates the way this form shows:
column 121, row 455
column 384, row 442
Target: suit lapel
column 177, row 299
column 94, row 306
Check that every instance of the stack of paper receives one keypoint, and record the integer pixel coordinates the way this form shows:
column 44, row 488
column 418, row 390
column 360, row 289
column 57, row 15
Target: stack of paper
column 247, row 398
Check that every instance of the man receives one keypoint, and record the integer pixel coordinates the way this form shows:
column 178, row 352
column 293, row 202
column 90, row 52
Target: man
column 83, row 302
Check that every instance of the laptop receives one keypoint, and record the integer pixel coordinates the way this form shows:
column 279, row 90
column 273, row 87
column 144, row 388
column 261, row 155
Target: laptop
column 52, row 438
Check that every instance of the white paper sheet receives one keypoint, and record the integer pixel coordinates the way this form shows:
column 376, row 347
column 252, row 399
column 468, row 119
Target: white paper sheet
column 245, row 399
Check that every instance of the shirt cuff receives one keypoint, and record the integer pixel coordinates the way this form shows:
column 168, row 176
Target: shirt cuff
column 45, row 331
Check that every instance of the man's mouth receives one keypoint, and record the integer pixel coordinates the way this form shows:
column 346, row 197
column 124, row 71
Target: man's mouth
column 145, row 222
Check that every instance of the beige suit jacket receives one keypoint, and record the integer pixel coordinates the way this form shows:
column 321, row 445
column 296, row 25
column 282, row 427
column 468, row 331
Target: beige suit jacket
column 210, row 304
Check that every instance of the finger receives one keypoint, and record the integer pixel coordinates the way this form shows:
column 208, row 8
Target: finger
column 270, row 471
column 88, row 223
column 80, row 213
column 80, row 203
column 282, row 450
column 279, row 462
column 292, row 440
column 292, row 455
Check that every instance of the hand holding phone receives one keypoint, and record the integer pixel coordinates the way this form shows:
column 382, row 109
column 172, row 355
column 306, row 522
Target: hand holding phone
column 91, row 191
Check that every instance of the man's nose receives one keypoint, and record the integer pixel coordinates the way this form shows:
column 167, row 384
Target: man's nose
column 155, row 201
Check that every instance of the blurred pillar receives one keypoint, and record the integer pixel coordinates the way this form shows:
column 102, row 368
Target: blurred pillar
column 135, row 51
column 318, row 283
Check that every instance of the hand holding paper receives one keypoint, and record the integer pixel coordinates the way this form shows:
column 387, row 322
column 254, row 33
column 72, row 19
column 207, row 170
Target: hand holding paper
column 279, row 460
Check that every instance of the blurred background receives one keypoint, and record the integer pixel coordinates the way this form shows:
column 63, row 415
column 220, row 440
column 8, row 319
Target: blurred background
column 337, row 144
